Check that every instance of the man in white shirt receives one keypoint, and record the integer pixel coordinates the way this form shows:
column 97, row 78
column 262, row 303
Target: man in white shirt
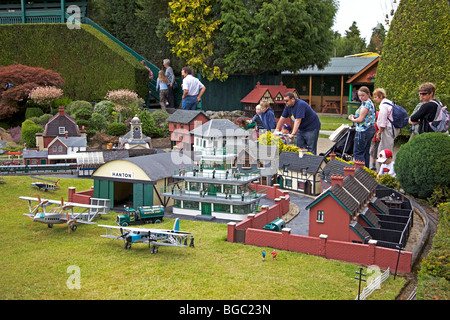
column 193, row 90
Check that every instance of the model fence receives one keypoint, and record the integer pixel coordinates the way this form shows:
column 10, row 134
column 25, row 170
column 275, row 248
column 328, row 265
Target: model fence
column 375, row 284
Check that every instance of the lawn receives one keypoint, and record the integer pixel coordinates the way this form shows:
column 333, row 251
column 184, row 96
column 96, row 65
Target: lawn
column 35, row 262
column 331, row 123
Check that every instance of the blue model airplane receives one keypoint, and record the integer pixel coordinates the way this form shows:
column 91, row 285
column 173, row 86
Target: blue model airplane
column 45, row 184
column 153, row 237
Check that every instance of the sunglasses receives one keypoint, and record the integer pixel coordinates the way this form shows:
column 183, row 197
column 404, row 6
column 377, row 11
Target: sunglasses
column 423, row 93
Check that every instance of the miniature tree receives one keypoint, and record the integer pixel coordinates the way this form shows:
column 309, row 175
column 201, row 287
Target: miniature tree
column 421, row 165
column 29, row 130
column 24, row 79
column 45, row 95
column 123, row 99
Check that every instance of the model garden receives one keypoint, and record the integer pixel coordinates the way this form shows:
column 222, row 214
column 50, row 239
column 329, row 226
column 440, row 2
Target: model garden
column 85, row 122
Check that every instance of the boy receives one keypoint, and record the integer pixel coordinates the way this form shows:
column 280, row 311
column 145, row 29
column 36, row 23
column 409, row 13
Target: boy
column 285, row 131
column 387, row 164
column 257, row 118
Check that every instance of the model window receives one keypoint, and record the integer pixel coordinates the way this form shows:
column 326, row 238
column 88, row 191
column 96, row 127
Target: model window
column 320, row 215
column 62, row 130
column 288, row 182
column 55, row 148
column 60, row 149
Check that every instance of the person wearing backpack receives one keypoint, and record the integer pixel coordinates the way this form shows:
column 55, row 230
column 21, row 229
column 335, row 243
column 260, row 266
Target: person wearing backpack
column 386, row 133
column 427, row 111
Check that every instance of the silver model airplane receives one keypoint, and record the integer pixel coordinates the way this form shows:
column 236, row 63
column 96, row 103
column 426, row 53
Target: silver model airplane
column 53, row 212
column 153, row 237
column 45, row 184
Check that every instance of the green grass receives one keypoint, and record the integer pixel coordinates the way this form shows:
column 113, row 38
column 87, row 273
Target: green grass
column 332, row 123
column 34, row 262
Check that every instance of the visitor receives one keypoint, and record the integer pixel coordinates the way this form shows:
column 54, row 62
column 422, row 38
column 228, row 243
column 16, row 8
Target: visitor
column 172, row 83
column 268, row 116
column 163, row 88
column 193, row 90
column 306, row 122
column 386, row 133
column 257, row 118
column 285, row 132
column 364, row 118
column 387, row 163
column 427, row 110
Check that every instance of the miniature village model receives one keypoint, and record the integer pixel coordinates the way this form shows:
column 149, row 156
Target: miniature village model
column 218, row 184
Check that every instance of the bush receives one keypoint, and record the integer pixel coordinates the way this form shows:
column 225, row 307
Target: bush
column 117, row 129
column 149, row 127
column 104, row 107
column 98, row 122
column 434, row 274
column 83, row 113
column 74, row 106
column 422, row 164
column 33, row 112
column 29, row 130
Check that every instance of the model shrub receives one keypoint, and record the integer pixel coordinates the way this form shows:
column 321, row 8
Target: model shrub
column 434, row 274
column 33, row 112
column 415, row 50
column 74, row 106
column 29, row 130
column 423, row 164
column 117, row 129
column 104, row 107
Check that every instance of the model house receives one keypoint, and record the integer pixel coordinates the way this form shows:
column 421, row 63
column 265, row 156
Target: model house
column 217, row 143
column 274, row 94
column 300, row 172
column 59, row 142
column 181, row 123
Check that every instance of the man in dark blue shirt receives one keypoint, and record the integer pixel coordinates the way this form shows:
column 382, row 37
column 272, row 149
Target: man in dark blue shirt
column 306, row 122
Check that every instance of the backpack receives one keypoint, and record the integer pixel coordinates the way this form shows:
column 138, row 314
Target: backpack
column 441, row 120
column 400, row 117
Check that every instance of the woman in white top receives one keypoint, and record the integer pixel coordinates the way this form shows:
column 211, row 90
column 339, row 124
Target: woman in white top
column 386, row 133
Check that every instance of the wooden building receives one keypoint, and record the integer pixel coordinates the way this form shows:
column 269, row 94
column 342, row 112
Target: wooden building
column 330, row 89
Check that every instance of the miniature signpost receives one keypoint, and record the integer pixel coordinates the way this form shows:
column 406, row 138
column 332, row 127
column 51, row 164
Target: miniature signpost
column 360, row 279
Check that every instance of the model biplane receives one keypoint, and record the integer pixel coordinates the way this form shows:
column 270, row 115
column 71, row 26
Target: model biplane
column 53, row 212
column 45, row 184
column 153, row 237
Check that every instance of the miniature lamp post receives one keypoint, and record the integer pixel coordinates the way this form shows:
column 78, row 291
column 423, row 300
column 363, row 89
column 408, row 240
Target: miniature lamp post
column 360, row 279
column 398, row 258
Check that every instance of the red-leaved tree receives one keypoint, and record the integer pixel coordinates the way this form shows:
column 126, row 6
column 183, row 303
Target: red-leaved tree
column 24, row 79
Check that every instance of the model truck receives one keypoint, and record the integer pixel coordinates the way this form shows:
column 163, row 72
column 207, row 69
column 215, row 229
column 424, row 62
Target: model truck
column 142, row 215
column 275, row 225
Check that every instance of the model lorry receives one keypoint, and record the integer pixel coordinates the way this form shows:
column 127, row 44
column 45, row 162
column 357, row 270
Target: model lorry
column 275, row 225
column 142, row 215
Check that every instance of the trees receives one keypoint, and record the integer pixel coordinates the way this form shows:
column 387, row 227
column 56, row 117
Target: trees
column 350, row 44
column 24, row 79
column 193, row 34
column 264, row 36
column 416, row 50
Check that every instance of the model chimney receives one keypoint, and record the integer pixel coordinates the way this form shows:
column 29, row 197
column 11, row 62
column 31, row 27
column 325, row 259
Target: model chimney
column 359, row 164
column 337, row 179
column 349, row 171
column 61, row 111
column 332, row 156
column 302, row 152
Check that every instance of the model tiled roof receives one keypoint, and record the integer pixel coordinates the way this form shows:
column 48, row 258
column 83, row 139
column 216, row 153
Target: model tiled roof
column 61, row 119
column 258, row 92
column 293, row 162
column 185, row 116
column 219, row 128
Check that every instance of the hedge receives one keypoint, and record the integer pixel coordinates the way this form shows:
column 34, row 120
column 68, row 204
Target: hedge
column 90, row 63
column 416, row 51
column 434, row 274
